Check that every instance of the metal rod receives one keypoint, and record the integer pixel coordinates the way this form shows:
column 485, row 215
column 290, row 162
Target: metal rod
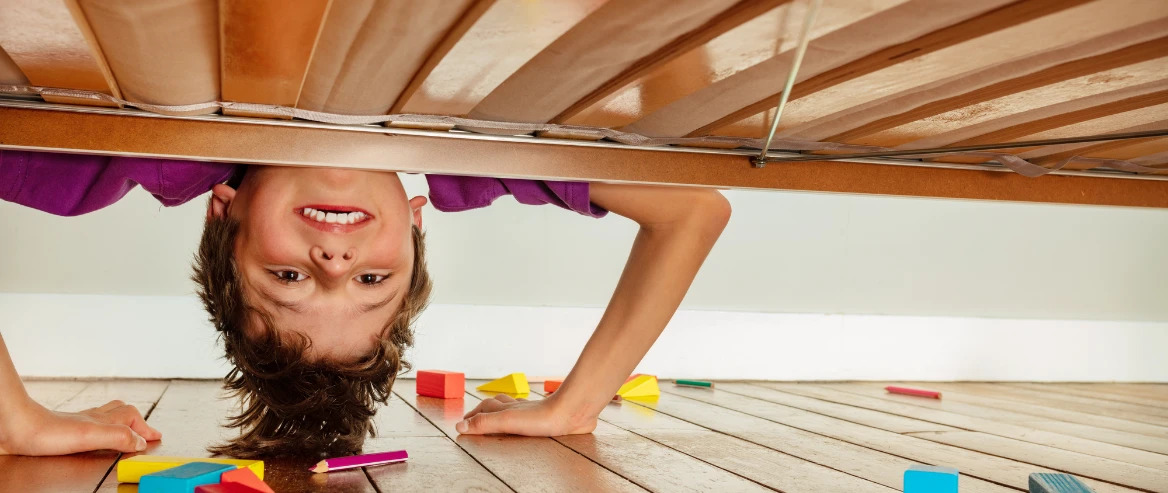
column 981, row 147
column 809, row 19
column 527, row 139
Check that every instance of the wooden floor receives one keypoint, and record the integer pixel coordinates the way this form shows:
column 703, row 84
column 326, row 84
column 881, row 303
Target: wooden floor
column 792, row 437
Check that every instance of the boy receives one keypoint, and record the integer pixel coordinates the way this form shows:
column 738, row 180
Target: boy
column 314, row 276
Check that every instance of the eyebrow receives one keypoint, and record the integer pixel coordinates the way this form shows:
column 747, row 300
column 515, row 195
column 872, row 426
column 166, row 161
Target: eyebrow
column 296, row 307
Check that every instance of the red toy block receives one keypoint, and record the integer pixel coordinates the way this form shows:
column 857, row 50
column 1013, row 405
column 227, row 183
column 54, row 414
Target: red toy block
column 245, row 477
column 552, row 384
column 443, row 384
column 225, row 488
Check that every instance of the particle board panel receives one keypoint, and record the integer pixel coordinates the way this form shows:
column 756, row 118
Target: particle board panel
column 601, row 47
column 523, row 463
column 507, row 36
column 976, row 52
column 763, row 465
column 754, row 42
column 265, row 47
column 369, row 50
column 651, row 465
column 53, row 46
column 972, row 463
column 876, row 38
column 879, row 465
column 273, row 142
column 1007, row 423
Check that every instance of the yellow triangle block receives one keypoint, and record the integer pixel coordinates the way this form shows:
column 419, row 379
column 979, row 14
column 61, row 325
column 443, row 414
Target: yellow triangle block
column 641, row 386
column 515, row 383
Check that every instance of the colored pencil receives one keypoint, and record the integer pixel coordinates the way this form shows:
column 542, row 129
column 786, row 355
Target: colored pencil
column 916, row 392
column 352, row 461
column 694, row 383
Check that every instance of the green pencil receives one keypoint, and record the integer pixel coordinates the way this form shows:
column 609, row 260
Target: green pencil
column 694, row 383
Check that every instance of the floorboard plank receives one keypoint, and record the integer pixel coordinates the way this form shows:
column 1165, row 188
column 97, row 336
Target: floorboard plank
column 1136, row 402
column 1102, row 428
column 967, row 417
column 648, row 463
column 75, row 472
column 755, row 462
column 1144, row 391
column 975, row 464
column 523, row 463
column 190, row 414
column 1076, row 403
column 878, row 466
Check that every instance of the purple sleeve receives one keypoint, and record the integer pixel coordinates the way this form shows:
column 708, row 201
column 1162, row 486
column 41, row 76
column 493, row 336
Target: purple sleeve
column 459, row 193
column 75, row 184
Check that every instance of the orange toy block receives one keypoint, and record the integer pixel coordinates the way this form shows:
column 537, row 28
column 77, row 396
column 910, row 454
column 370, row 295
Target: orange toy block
column 552, row 384
column 443, row 384
column 245, row 477
column 226, row 488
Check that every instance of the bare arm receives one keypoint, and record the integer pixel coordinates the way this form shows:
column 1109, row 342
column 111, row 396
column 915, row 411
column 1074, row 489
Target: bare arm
column 27, row 428
column 679, row 227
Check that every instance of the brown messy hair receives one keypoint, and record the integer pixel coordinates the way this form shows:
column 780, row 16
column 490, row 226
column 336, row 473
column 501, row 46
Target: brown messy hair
column 293, row 406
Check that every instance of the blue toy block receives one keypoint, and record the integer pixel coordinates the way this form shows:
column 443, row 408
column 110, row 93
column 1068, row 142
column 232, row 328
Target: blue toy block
column 184, row 478
column 1044, row 482
column 930, row 479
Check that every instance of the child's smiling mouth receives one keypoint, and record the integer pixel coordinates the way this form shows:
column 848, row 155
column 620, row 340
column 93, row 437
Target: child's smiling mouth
column 334, row 219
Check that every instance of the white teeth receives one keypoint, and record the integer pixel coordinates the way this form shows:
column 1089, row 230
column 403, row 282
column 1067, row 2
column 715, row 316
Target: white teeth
column 319, row 216
column 330, row 218
column 334, row 217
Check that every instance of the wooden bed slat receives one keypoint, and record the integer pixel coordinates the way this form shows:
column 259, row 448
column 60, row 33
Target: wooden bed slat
column 52, row 46
column 611, row 40
column 265, row 47
column 161, row 52
column 755, row 89
column 368, row 51
column 1085, row 58
column 9, row 72
column 459, row 29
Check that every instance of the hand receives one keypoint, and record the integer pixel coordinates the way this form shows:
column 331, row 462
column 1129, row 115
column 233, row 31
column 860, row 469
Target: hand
column 505, row 414
column 34, row 430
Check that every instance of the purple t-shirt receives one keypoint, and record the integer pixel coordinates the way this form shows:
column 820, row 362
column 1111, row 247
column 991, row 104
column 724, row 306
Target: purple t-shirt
column 74, row 184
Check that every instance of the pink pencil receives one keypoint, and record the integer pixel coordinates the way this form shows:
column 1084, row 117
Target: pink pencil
column 916, row 392
column 352, row 461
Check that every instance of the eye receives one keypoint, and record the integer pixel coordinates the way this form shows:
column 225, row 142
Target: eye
column 370, row 279
column 288, row 276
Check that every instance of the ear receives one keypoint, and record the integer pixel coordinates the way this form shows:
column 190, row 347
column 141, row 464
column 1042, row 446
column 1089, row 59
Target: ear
column 221, row 197
column 416, row 204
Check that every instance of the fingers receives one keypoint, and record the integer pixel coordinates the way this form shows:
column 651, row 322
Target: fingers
column 491, row 405
column 109, row 406
column 485, row 423
column 101, row 436
column 129, row 416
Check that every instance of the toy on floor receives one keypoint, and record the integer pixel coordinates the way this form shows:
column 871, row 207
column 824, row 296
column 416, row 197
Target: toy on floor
column 640, row 386
column 930, row 479
column 184, row 478
column 1044, row 482
column 342, row 463
column 245, row 478
column 515, row 383
column 916, row 392
column 226, row 488
column 441, row 384
column 552, row 384
column 693, row 383
column 132, row 469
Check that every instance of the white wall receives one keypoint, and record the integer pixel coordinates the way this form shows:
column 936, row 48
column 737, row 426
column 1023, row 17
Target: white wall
column 981, row 268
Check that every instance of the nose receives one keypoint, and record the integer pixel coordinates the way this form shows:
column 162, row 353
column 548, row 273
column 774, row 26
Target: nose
column 333, row 262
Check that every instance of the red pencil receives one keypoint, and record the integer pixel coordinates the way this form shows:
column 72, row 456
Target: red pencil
column 916, row 392
column 352, row 461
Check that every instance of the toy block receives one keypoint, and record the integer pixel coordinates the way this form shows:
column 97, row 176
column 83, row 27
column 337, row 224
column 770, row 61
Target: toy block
column 641, row 386
column 184, row 478
column 515, row 383
column 443, row 384
column 930, row 479
column 132, row 469
column 225, row 488
column 246, row 478
column 552, row 384
column 1043, row 482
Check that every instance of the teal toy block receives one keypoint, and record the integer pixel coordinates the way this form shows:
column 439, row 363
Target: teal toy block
column 1045, row 482
column 184, row 478
column 930, row 479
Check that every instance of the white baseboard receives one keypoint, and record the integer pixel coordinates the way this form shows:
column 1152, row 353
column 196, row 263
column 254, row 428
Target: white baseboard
column 166, row 336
